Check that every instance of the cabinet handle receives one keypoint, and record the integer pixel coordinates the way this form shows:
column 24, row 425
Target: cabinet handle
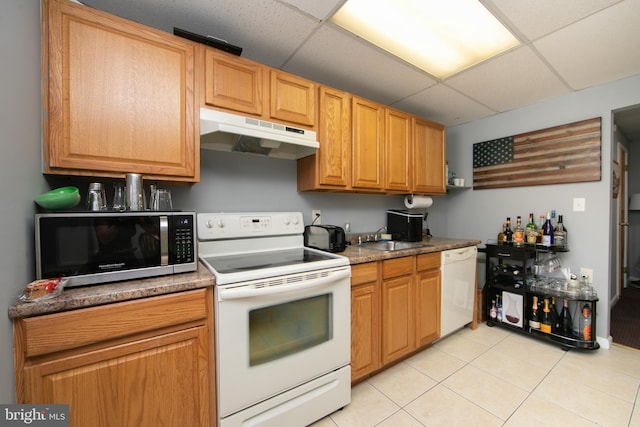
column 503, row 255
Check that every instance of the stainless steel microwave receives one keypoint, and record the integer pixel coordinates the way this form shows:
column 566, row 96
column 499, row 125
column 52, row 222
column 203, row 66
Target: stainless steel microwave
column 99, row 247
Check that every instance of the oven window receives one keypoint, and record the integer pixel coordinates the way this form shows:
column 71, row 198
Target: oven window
column 280, row 330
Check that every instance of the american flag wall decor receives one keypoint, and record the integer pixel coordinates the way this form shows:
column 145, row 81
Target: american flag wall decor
column 556, row 155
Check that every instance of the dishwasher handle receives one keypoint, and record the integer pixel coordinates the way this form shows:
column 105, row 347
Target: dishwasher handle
column 457, row 255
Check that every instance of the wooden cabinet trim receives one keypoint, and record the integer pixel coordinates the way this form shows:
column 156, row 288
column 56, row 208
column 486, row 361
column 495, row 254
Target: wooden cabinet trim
column 428, row 261
column 364, row 273
column 44, row 334
column 397, row 267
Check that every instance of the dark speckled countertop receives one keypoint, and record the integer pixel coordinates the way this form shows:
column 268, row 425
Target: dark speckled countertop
column 87, row 296
column 358, row 254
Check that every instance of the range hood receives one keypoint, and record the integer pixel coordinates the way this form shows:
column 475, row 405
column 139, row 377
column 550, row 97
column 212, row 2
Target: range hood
column 234, row 133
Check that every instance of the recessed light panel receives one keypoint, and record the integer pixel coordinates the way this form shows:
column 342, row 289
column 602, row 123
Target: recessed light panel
column 439, row 37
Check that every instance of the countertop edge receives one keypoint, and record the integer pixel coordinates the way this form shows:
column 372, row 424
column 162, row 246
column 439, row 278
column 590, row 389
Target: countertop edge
column 89, row 296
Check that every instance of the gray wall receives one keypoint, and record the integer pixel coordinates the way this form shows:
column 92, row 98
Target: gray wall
column 479, row 214
column 20, row 178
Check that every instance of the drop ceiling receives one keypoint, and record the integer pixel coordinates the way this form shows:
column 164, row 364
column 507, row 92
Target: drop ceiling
column 567, row 46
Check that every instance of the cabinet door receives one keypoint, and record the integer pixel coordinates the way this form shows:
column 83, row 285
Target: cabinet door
column 397, row 318
column 429, row 157
column 368, row 145
column 233, row 83
column 293, row 99
column 119, row 97
column 427, row 307
column 365, row 330
column 155, row 381
column 398, row 151
column 330, row 167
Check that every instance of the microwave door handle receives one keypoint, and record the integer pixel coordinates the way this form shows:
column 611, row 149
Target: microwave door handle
column 249, row 292
column 164, row 240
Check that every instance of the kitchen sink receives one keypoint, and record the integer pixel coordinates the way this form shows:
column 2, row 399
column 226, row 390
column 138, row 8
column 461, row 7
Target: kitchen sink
column 392, row 245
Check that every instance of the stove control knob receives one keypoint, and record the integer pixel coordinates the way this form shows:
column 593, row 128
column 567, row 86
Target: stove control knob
column 220, row 223
column 295, row 220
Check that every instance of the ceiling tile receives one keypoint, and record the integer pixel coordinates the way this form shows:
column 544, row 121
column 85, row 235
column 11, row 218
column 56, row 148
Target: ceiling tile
column 537, row 18
column 516, row 78
column 256, row 26
column 334, row 58
column 319, row 9
column 444, row 105
column 601, row 48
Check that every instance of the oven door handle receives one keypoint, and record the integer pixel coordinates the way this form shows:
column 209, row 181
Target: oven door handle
column 249, row 292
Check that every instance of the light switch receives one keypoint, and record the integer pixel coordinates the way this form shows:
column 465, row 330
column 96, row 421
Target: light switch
column 579, row 204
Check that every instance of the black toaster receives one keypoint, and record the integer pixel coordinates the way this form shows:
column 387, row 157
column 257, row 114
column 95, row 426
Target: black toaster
column 328, row 238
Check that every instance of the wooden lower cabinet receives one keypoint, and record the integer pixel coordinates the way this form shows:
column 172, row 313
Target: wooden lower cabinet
column 365, row 320
column 395, row 310
column 114, row 367
column 427, row 298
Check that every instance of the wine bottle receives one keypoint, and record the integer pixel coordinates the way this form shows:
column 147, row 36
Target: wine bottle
column 531, row 230
column 546, row 322
column 501, row 234
column 566, row 325
column 508, row 233
column 534, row 320
column 560, row 234
column 542, row 219
column 547, row 232
column 518, row 233
column 498, row 309
column 585, row 323
column 555, row 319
column 493, row 312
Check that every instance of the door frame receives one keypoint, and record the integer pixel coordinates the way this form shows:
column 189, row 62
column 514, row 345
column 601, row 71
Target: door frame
column 622, row 217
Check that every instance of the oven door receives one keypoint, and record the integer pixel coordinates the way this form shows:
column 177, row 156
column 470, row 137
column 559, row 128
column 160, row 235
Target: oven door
column 278, row 333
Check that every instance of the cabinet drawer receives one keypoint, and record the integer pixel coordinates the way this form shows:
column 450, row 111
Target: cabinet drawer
column 71, row 329
column 364, row 273
column 428, row 261
column 397, row 267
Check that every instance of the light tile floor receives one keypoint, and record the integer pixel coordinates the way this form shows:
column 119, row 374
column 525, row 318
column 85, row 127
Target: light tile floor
column 492, row 377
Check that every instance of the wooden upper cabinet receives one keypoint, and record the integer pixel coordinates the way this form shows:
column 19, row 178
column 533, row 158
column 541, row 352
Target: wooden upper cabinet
column 293, row 99
column 330, row 166
column 233, row 83
column 367, row 145
column 429, row 157
column 398, row 150
column 118, row 97
column 240, row 85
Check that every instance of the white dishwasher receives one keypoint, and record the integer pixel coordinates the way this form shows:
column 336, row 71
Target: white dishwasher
column 458, row 288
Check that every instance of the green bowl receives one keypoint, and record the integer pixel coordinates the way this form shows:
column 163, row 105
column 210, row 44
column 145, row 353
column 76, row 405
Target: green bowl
column 60, row 198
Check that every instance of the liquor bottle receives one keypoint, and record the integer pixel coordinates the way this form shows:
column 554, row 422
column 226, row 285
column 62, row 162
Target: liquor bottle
column 547, row 232
column 531, row 230
column 553, row 218
column 585, row 323
column 541, row 224
column 560, row 234
column 566, row 325
column 518, row 233
column 546, row 322
column 501, row 234
column 555, row 320
column 508, row 233
column 498, row 309
column 493, row 312
column 534, row 320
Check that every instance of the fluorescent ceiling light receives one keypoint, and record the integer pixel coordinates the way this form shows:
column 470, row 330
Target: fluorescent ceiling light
column 441, row 37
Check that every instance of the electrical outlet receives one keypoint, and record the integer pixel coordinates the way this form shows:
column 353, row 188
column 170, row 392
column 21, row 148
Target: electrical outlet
column 587, row 274
column 316, row 216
